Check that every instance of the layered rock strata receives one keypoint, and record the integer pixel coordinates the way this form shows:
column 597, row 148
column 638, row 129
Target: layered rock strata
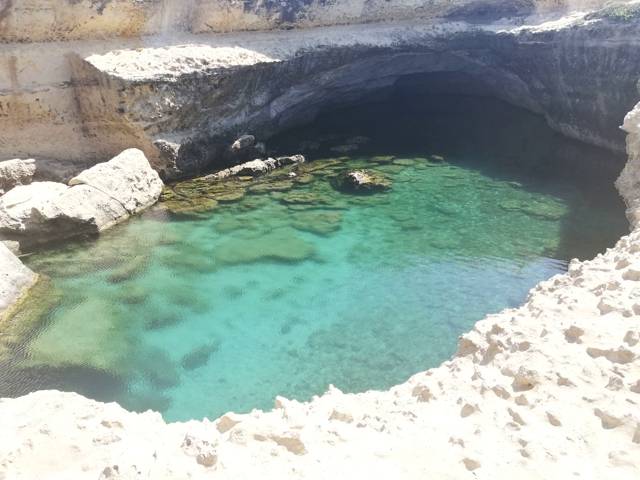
column 182, row 98
column 199, row 95
column 56, row 20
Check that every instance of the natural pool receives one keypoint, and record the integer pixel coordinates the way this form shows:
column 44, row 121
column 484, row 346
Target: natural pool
column 286, row 285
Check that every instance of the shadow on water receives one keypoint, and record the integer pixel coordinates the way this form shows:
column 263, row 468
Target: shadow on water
column 490, row 136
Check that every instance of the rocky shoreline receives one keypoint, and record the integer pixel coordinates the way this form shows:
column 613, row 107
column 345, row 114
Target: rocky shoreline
column 548, row 390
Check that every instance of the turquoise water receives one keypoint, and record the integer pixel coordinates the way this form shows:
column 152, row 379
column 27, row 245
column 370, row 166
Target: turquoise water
column 290, row 285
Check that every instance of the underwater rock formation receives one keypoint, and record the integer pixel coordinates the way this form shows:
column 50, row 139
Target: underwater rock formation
column 553, row 385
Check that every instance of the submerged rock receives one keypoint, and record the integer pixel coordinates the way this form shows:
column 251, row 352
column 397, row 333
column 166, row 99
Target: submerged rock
column 320, row 223
column 305, row 198
column 282, row 245
column 190, row 206
column 200, row 195
column 199, row 356
column 272, row 186
column 89, row 335
column 362, row 181
column 129, row 269
column 548, row 210
column 382, row 159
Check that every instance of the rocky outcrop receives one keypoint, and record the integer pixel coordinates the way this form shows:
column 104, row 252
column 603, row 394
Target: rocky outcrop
column 16, row 172
column 53, row 20
column 182, row 98
column 628, row 183
column 15, row 281
column 95, row 200
column 362, row 181
column 201, row 94
column 255, row 168
column 126, row 178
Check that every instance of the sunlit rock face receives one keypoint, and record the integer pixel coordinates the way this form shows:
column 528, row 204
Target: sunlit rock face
column 576, row 73
column 61, row 20
column 15, row 280
column 116, row 74
column 97, row 199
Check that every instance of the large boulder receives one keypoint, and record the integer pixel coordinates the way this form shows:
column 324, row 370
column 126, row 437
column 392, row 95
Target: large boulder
column 96, row 199
column 127, row 178
column 16, row 172
column 15, row 280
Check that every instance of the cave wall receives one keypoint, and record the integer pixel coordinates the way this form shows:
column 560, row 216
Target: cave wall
column 57, row 103
column 580, row 77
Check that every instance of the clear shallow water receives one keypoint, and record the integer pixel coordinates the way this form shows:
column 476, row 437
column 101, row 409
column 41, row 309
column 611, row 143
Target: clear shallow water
column 284, row 292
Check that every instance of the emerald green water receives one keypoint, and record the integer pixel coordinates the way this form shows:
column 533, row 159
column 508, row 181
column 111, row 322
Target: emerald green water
column 295, row 285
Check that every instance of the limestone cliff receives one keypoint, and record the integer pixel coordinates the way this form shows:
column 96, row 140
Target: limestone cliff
column 151, row 74
column 199, row 96
column 62, row 20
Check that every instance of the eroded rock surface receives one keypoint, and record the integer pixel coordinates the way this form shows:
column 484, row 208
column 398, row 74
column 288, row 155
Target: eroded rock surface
column 202, row 93
column 16, row 172
column 126, row 178
column 15, row 280
column 255, row 168
column 183, row 98
column 362, row 181
column 96, row 199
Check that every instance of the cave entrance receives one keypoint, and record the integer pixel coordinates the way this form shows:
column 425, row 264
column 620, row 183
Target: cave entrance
column 219, row 300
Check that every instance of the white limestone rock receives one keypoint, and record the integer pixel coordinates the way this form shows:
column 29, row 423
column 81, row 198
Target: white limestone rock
column 256, row 168
column 97, row 199
column 128, row 178
column 25, row 207
column 46, row 211
column 15, row 279
column 16, row 172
